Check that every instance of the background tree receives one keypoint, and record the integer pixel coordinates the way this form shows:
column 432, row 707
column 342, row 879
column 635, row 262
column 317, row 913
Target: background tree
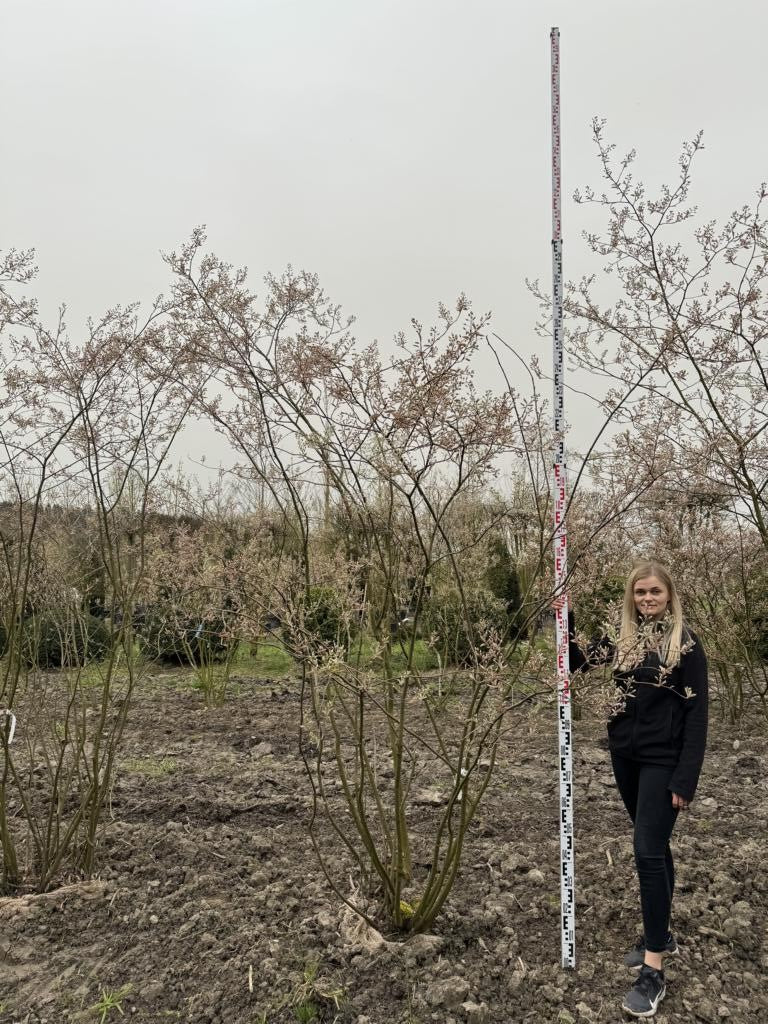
column 687, row 332
column 85, row 426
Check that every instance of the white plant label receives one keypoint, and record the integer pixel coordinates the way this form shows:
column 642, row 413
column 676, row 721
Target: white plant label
column 12, row 726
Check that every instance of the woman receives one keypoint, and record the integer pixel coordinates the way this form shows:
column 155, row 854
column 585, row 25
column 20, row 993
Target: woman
column 657, row 736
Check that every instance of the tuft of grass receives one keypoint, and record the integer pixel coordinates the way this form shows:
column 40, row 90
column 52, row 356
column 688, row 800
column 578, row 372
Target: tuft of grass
column 305, row 1013
column 311, row 994
column 152, row 767
column 111, row 1001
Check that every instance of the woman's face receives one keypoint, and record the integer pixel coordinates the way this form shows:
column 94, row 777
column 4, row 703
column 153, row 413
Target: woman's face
column 651, row 597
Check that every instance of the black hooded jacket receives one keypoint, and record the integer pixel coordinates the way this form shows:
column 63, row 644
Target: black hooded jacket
column 657, row 722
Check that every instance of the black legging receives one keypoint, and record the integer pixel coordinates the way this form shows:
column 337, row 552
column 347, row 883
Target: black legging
column 643, row 789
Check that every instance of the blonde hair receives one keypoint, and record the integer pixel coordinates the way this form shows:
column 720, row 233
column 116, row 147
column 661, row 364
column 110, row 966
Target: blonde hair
column 672, row 641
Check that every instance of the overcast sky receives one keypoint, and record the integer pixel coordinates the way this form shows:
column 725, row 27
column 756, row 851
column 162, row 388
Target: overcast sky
column 399, row 148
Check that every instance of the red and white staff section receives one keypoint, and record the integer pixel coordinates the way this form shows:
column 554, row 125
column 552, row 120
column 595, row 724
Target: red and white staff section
column 567, row 902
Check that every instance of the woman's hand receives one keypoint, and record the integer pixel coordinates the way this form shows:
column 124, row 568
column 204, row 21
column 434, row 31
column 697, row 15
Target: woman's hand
column 680, row 803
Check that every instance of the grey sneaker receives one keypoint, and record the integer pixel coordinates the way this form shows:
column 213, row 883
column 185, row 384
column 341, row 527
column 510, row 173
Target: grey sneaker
column 636, row 956
column 644, row 997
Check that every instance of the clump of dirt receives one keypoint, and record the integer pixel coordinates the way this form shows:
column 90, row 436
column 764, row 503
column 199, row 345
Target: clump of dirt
column 210, row 906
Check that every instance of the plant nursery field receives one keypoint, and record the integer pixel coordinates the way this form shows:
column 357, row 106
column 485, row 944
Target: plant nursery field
column 209, row 906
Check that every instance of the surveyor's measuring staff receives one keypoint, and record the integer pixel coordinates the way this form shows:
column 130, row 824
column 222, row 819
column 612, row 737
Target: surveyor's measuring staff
column 567, row 905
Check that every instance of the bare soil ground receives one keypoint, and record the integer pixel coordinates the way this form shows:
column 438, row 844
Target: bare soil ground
column 210, row 907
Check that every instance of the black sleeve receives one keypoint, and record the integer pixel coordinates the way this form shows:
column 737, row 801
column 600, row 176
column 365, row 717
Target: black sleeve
column 693, row 667
column 599, row 651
